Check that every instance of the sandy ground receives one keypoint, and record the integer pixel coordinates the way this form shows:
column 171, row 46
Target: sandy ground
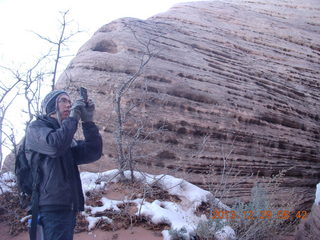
column 136, row 233
column 115, row 191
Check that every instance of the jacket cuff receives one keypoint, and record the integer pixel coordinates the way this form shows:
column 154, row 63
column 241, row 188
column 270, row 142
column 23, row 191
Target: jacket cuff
column 88, row 124
column 72, row 118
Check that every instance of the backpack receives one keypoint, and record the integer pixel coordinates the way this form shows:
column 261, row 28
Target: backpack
column 27, row 174
column 24, row 177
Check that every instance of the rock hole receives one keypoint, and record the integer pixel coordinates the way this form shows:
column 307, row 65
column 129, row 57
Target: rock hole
column 106, row 46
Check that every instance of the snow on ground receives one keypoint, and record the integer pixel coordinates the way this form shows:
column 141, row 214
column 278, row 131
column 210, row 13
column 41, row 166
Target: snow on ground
column 179, row 215
column 317, row 201
column 7, row 181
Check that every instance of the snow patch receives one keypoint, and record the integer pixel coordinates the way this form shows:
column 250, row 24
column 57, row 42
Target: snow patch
column 170, row 213
column 178, row 215
column 108, row 204
column 94, row 220
column 317, row 201
column 7, row 182
column 225, row 233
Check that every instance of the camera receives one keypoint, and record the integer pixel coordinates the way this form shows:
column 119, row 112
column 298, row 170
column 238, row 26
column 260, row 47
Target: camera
column 84, row 94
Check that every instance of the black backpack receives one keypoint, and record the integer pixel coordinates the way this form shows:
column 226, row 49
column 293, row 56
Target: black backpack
column 27, row 177
column 24, row 176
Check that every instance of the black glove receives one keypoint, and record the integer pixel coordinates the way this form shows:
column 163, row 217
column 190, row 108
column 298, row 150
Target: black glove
column 77, row 109
column 87, row 112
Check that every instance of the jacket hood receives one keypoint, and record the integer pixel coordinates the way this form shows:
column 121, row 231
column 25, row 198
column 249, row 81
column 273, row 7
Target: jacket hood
column 50, row 121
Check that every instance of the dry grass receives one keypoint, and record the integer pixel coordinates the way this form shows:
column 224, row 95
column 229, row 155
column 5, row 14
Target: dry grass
column 11, row 213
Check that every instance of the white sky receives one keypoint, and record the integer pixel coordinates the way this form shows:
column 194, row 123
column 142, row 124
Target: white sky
column 19, row 17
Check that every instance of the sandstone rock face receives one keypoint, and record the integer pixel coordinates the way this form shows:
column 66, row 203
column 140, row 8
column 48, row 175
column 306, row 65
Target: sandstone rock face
column 235, row 86
column 309, row 228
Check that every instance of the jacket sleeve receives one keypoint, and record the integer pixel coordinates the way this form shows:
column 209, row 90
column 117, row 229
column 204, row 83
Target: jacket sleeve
column 90, row 149
column 49, row 141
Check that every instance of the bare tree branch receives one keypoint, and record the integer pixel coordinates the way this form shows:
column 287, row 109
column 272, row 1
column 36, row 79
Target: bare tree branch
column 59, row 43
column 127, row 160
column 29, row 82
column 9, row 89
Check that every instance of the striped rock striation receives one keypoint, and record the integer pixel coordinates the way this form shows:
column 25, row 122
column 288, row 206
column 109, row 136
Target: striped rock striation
column 231, row 88
column 309, row 228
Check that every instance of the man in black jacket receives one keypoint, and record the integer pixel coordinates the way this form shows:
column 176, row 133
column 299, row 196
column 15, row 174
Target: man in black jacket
column 49, row 139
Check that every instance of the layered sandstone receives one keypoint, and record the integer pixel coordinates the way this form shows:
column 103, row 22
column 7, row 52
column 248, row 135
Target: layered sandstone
column 309, row 228
column 232, row 83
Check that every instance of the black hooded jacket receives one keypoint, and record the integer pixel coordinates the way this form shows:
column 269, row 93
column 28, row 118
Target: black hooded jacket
column 53, row 145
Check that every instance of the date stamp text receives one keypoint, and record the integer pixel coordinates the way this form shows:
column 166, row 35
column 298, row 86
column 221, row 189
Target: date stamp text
column 263, row 214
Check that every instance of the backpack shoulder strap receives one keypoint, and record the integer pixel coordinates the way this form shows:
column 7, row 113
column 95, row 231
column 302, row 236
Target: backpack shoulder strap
column 35, row 197
column 20, row 150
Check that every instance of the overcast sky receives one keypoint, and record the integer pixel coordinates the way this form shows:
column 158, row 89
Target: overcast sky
column 19, row 17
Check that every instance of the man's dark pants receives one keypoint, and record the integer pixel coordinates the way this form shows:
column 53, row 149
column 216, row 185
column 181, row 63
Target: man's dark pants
column 58, row 225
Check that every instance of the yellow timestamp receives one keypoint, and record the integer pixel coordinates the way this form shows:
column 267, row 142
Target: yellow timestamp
column 263, row 214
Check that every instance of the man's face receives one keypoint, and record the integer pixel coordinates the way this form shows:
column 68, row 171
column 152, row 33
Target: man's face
column 64, row 105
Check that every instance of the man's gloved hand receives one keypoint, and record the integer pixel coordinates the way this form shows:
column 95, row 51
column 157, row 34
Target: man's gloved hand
column 77, row 109
column 87, row 112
